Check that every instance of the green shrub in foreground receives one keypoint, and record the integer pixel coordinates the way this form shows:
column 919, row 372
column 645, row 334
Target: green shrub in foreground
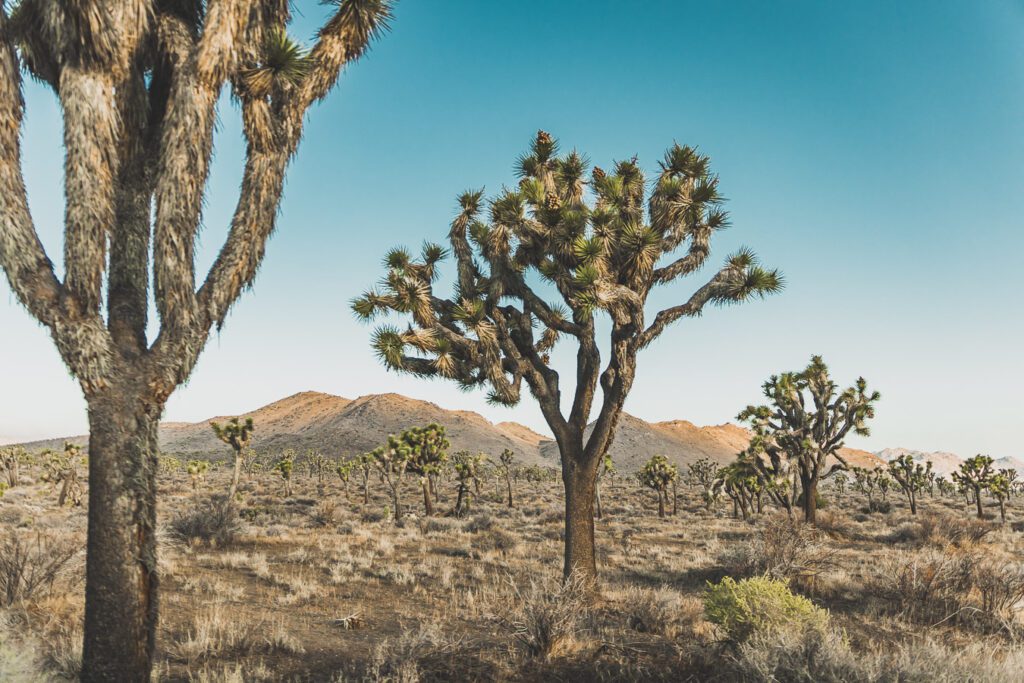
column 759, row 605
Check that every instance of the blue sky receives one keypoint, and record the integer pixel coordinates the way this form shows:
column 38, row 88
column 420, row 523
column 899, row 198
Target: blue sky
column 872, row 151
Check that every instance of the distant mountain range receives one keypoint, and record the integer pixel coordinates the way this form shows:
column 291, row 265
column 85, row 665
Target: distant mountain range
column 337, row 426
column 942, row 462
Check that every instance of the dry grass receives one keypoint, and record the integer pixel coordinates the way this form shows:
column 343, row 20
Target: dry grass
column 317, row 588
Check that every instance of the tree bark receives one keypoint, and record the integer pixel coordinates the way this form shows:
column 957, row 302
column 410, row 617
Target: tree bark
column 597, row 499
column 235, row 476
column 121, row 568
column 661, row 503
column 428, row 506
column 977, row 500
column 810, row 488
column 508, row 482
column 579, row 480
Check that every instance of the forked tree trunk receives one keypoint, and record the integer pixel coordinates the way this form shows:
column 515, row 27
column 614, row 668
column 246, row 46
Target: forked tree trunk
column 579, row 479
column 121, row 579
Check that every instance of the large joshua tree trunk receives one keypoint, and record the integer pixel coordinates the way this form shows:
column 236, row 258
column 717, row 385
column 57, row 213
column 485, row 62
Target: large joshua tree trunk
column 580, row 480
column 120, row 624
column 809, row 484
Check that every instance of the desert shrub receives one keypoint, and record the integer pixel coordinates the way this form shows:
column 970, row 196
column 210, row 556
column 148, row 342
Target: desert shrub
column 782, row 549
column 550, row 615
column 794, row 655
column 436, row 525
column 325, row 513
column 18, row 658
column 926, row 584
column 791, row 656
column 424, row 655
column 1000, row 587
column 214, row 520
column 375, row 516
column 883, row 507
column 760, row 605
column 32, row 562
column 958, row 531
column 661, row 611
column 495, row 539
column 481, row 522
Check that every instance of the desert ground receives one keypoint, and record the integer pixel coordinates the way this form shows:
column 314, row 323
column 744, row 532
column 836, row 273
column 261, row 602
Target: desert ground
column 320, row 586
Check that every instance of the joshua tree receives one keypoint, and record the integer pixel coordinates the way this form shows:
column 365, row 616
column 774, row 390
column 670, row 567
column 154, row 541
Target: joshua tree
column 344, row 470
column 284, row 467
column 702, row 472
column 391, row 462
column 598, row 256
column 839, row 481
column 945, row 486
column 807, row 421
column 974, row 475
column 365, row 464
column 1011, row 480
column 197, row 471
column 884, row 484
column 467, row 471
column 866, row 481
column 741, row 481
column 657, row 475
column 910, row 476
column 138, row 84
column 999, row 486
column 605, row 469
column 425, row 452
column 317, row 466
column 10, row 464
column 507, row 464
column 775, row 471
column 61, row 468
column 237, row 435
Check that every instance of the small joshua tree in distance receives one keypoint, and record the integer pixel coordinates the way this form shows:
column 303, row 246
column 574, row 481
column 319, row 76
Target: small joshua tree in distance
column 702, row 473
column 600, row 253
column 808, row 419
column 506, row 464
column 237, row 435
column 657, row 475
column 284, row 467
column 910, row 476
column 999, row 486
column 197, row 471
column 467, row 471
column 974, row 475
column 426, row 453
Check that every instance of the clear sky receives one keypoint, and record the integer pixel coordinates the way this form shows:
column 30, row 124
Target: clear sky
column 873, row 151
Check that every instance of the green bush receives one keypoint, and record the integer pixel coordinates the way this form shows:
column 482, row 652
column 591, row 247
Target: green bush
column 760, row 605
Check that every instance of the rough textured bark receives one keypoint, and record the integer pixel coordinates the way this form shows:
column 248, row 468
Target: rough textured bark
column 121, row 577
column 580, row 551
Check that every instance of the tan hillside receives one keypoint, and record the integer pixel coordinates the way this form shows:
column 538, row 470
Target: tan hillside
column 337, row 426
column 684, row 442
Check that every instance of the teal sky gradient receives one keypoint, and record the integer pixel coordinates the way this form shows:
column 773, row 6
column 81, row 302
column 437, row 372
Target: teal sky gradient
column 873, row 151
